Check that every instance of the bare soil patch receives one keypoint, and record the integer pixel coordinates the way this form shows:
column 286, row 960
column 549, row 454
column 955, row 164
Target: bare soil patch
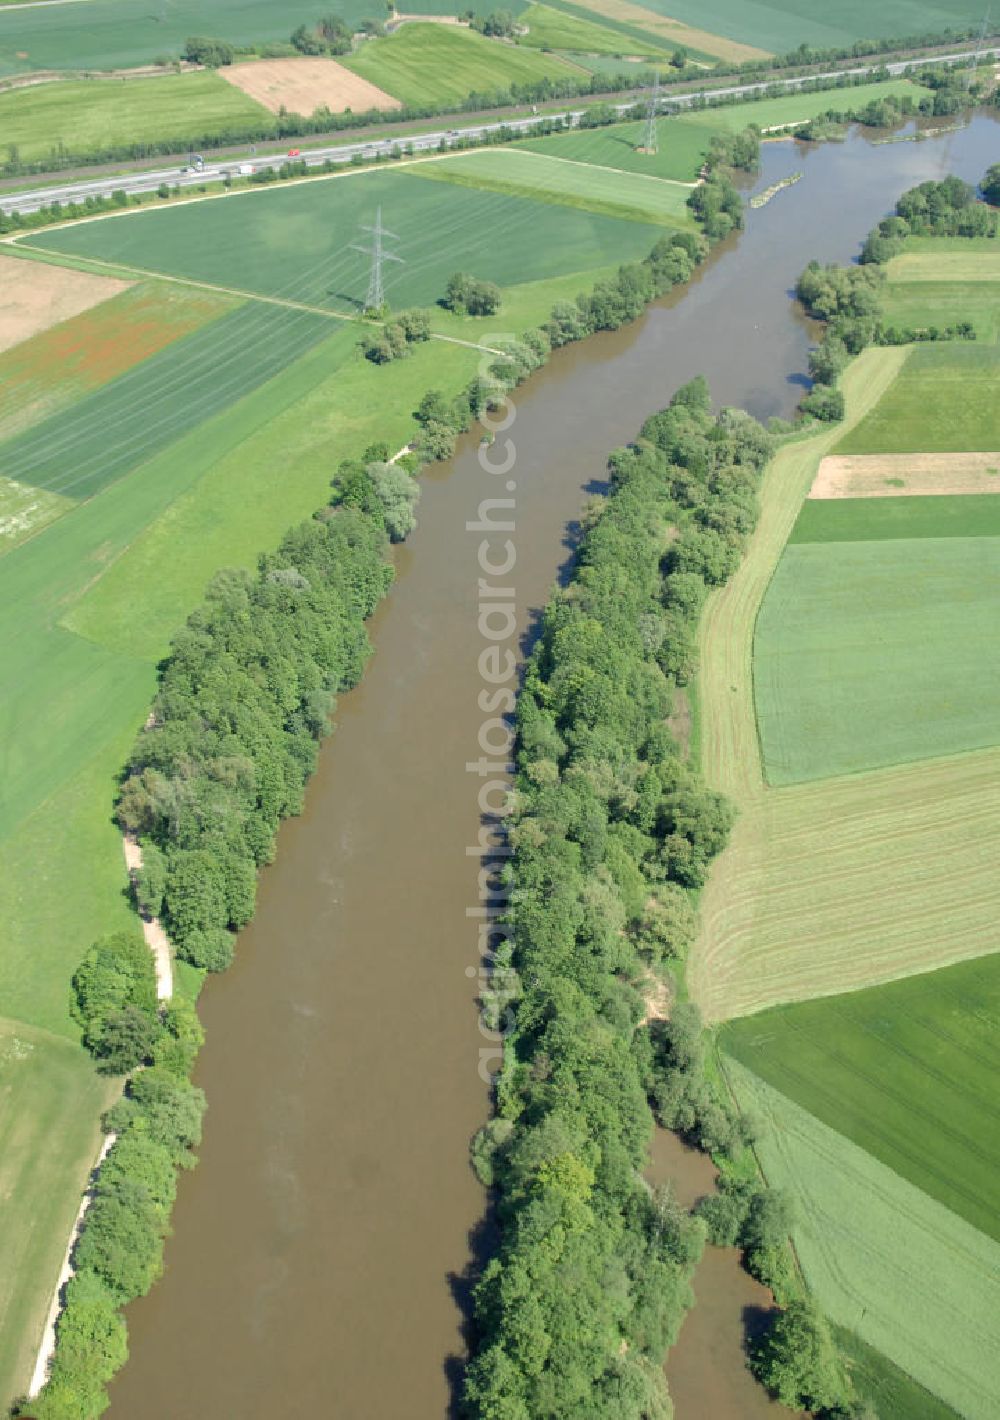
column 304, row 85
column 905, row 475
column 34, row 296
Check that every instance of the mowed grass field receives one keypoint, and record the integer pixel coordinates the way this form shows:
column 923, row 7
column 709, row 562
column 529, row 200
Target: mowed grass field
column 545, row 178
column 111, row 34
column 882, row 1258
column 890, row 635
column 440, row 64
column 947, row 398
column 782, row 25
column 833, row 885
column 50, row 1100
column 907, row 1071
column 938, row 281
column 94, row 115
column 295, row 242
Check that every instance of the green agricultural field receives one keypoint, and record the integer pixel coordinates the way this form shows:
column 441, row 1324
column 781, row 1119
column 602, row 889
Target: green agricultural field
column 544, row 178
column 41, row 375
column 325, row 407
column 947, row 398
column 883, row 1259
column 108, row 34
column 556, row 29
column 782, row 25
column 294, row 242
column 894, row 636
column 442, row 64
column 908, row 1071
column 940, row 280
column 874, row 519
column 796, row 108
column 917, row 844
column 891, row 1392
column 50, row 1099
column 682, row 148
column 103, row 436
column 94, row 115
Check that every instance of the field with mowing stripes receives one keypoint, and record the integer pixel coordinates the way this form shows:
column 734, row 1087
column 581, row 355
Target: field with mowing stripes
column 441, row 64
column 908, row 1071
column 881, row 1257
column 550, row 179
column 297, row 245
column 93, row 115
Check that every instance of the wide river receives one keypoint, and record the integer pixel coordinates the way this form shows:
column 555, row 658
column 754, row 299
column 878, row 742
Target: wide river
column 322, row 1249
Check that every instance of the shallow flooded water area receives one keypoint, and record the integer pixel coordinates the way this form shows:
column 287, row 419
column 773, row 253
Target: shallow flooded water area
column 321, row 1250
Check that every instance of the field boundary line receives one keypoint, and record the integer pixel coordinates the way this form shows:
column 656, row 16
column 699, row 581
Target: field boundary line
column 573, row 163
column 147, row 272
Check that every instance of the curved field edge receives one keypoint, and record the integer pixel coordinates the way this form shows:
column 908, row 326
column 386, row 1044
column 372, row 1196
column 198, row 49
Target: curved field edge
column 883, row 1259
column 844, row 883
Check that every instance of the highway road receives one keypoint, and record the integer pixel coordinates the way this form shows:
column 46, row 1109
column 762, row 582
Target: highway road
column 214, row 171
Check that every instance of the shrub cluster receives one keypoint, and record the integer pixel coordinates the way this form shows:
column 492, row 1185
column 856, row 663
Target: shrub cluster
column 469, row 296
column 610, row 829
column 393, row 339
column 244, row 699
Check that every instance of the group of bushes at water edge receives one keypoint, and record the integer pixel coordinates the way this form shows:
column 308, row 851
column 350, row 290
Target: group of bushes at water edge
column 611, row 831
column 847, row 298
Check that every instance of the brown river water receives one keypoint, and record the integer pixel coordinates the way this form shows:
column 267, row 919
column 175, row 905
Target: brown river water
column 322, row 1249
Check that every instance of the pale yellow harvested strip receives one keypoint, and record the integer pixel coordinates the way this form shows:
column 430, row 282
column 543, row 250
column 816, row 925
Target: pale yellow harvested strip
column 882, row 1258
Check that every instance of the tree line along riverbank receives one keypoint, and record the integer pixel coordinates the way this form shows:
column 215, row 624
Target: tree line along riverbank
column 246, row 696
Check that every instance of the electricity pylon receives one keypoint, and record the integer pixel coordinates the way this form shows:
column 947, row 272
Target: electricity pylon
column 980, row 43
column 649, row 143
column 375, row 300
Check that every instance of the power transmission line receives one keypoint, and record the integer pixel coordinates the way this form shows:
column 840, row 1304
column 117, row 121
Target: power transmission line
column 375, row 300
column 980, row 43
column 649, row 142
